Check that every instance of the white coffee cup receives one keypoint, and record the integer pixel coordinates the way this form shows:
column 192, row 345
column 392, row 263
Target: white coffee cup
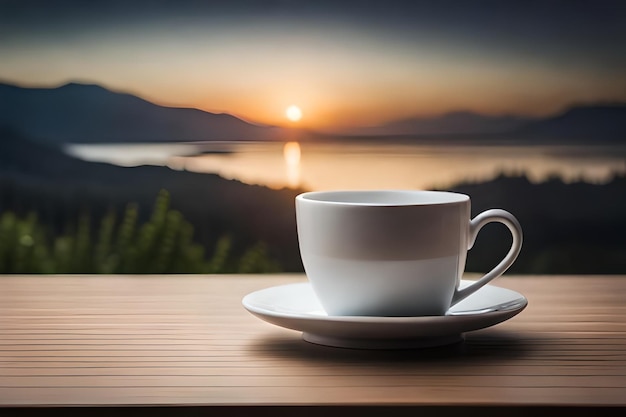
column 392, row 252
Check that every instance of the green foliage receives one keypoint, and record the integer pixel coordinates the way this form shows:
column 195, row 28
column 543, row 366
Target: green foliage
column 163, row 244
column 256, row 259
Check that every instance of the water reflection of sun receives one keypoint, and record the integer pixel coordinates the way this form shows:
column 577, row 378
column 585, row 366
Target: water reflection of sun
column 291, row 154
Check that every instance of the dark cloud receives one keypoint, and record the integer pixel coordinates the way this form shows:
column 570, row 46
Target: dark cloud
column 562, row 31
column 568, row 15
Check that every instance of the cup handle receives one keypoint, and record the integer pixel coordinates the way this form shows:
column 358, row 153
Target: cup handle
column 477, row 223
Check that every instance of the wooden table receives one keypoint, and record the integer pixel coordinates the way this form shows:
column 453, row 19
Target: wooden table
column 184, row 345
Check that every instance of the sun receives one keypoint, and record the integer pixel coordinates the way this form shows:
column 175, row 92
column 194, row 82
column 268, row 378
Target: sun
column 293, row 113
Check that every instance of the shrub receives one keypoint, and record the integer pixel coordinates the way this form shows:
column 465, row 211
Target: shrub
column 162, row 245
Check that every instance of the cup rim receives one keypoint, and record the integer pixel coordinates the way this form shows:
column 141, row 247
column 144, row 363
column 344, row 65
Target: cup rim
column 404, row 198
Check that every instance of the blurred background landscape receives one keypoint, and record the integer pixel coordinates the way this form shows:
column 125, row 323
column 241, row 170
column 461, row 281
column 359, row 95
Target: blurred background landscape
column 172, row 137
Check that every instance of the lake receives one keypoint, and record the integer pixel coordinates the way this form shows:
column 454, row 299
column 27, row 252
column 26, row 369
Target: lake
column 362, row 165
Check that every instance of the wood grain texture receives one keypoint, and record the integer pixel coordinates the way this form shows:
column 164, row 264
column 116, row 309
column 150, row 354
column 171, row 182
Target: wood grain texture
column 186, row 340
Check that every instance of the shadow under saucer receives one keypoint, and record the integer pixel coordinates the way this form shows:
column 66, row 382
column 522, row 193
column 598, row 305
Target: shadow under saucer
column 483, row 346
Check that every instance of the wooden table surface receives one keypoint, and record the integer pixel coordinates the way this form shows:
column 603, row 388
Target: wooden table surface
column 174, row 344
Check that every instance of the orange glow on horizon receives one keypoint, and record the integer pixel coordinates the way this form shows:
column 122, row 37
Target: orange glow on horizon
column 327, row 110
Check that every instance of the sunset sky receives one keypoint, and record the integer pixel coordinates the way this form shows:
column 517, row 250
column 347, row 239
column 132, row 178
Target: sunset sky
column 344, row 63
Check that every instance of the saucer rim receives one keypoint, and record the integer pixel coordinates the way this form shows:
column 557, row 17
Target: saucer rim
column 515, row 306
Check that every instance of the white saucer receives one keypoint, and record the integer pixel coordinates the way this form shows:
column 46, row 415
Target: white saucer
column 295, row 306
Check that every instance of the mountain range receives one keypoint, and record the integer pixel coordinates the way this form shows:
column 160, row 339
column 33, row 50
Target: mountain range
column 593, row 123
column 454, row 123
column 86, row 113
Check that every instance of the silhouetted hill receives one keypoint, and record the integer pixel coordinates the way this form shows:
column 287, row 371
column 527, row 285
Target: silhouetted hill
column 90, row 113
column 575, row 228
column 594, row 123
column 591, row 124
column 40, row 178
column 455, row 123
